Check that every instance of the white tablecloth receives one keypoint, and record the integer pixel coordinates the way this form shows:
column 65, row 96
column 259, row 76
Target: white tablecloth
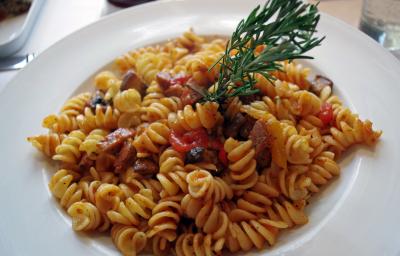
column 58, row 18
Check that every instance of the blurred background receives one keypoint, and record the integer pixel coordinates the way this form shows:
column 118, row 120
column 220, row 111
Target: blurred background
column 51, row 20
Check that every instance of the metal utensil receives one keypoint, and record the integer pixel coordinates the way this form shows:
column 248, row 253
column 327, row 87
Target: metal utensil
column 15, row 62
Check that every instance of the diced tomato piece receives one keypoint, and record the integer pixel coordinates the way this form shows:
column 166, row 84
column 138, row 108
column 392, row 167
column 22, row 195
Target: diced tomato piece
column 326, row 113
column 223, row 157
column 218, row 145
column 215, row 144
column 187, row 141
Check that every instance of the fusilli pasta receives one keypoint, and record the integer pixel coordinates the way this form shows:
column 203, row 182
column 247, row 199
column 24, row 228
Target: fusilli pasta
column 171, row 172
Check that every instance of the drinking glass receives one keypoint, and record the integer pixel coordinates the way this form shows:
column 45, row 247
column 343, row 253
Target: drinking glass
column 380, row 19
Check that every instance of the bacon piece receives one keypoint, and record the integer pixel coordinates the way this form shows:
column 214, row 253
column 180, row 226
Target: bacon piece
column 85, row 163
column 145, row 166
column 164, row 79
column 247, row 127
column 264, row 158
column 115, row 139
column 250, row 98
column 260, row 137
column 132, row 81
column 126, row 157
column 319, row 83
column 232, row 128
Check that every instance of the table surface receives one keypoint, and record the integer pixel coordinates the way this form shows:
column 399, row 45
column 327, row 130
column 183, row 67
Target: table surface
column 58, row 18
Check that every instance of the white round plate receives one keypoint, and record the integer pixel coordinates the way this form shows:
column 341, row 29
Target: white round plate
column 357, row 214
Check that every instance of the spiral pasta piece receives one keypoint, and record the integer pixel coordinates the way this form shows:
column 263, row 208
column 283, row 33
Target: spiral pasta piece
column 208, row 216
column 203, row 185
column 293, row 181
column 100, row 118
column 344, row 115
column 258, row 198
column 242, row 165
column 60, row 123
column 281, row 108
column 172, row 175
column 68, row 150
column 353, row 129
column 236, row 214
column 63, row 188
column 172, row 182
column 284, row 109
column 305, row 103
column 89, row 145
column 197, row 64
column 258, row 112
column 189, row 244
column 104, row 196
column 271, row 89
column 160, row 246
column 161, row 108
column 128, row 60
column 217, row 45
column 66, row 120
column 297, row 146
column 266, row 105
column 76, row 104
column 288, row 213
column 129, row 120
column 315, row 140
column 149, row 64
column 153, row 136
column 310, row 122
column 174, row 51
column 335, row 102
column 132, row 182
column 107, row 197
column 293, row 73
column 164, row 220
column 125, row 62
column 206, row 115
column 210, row 167
column 128, row 212
column 171, row 161
column 344, row 136
column 322, row 170
column 47, row 143
column 189, row 40
column 85, row 216
column 253, row 233
column 89, row 188
column 269, row 109
column 153, row 93
column 102, row 176
column 127, row 101
column 129, row 240
column 107, row 82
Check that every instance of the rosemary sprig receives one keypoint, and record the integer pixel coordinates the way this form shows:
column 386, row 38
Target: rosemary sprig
column 284, row 27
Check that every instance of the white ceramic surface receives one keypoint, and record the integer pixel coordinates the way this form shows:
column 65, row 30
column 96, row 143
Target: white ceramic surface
column 356, row 215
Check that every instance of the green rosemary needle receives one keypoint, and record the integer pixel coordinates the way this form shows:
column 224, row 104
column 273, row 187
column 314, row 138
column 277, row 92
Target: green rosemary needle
column 284, row 27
